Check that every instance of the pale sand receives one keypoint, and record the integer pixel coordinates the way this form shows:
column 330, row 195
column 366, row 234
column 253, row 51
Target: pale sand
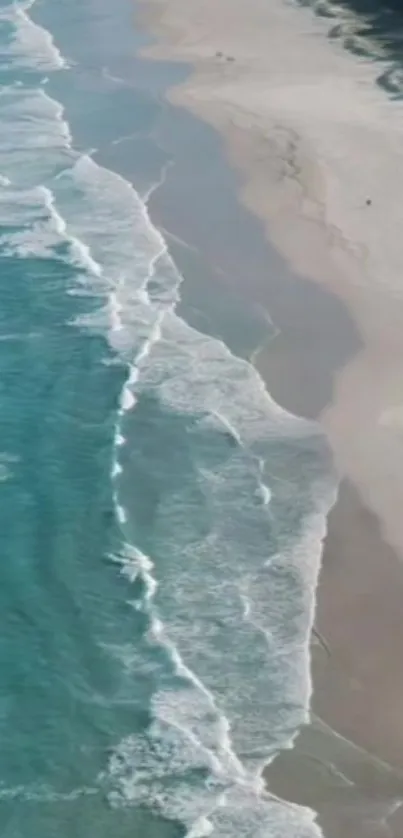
column 314, row 138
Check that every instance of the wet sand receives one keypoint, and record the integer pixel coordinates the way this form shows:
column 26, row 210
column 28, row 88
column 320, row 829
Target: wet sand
column 337, row 356
column 358, row 685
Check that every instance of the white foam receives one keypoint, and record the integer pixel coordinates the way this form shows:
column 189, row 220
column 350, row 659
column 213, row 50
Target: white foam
column 32, row 47
column 44, row 793
column 33, row 122
column 201, row 828
column 265, row 493
column 114, row 221
column 80, row 252
column 116, row 470
column 164, row 765
column 35, row 138
column 133, row 564
column 41, row 230
column 115, row 312
column 127, row 399
column 121, row 514
column 227, row 425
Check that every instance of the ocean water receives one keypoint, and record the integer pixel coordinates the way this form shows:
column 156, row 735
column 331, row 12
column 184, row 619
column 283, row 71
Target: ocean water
column 161, row 517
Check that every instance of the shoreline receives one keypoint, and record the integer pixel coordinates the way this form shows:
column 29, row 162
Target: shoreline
column 274, row 371
column 308, row 160
column 284, row 162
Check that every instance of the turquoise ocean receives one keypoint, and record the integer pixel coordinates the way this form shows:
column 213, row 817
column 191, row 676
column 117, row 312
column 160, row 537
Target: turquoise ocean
column 160, row 516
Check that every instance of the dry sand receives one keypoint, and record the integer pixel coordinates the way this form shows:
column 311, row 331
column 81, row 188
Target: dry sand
column 314, row 139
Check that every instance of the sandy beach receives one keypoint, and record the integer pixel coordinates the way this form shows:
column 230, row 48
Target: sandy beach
column 319, row 152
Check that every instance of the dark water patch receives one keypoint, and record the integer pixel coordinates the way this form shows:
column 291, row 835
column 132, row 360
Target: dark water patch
column 307, row 333
column 371, row 29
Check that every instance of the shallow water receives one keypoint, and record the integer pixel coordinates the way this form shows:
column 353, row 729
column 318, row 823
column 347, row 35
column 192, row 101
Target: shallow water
column 161, row 516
